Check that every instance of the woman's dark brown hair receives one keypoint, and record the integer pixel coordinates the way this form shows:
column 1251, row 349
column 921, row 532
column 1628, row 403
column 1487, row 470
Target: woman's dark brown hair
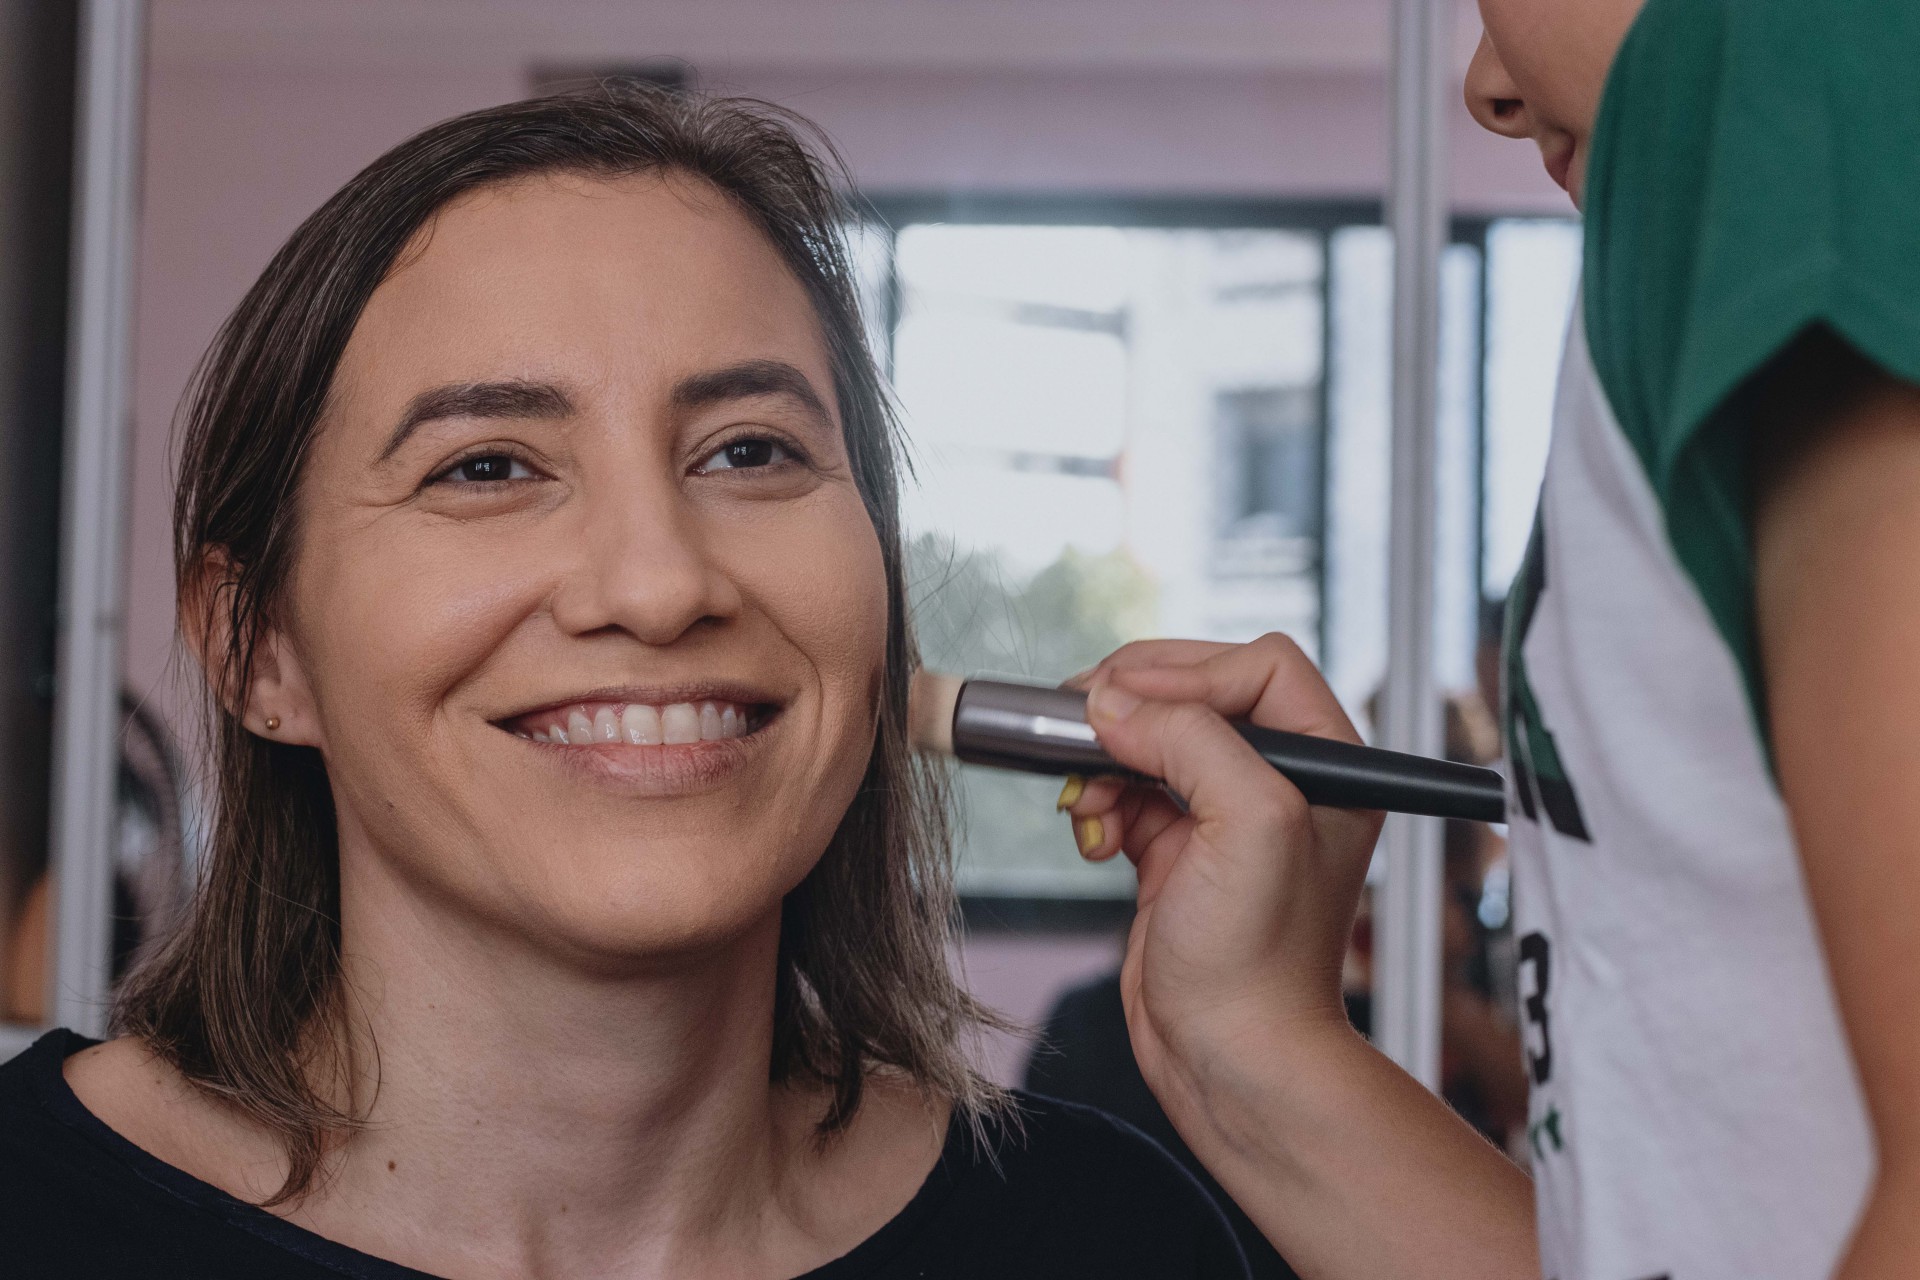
column 246, row 1000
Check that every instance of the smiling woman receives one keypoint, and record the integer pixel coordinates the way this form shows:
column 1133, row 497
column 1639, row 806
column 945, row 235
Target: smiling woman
column 574, row 904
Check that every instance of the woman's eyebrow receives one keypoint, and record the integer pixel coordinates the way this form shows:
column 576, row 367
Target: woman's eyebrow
column 747, row 379
column 510, row 399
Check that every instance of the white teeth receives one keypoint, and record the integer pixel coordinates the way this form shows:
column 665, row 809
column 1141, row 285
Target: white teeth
column 641, row 725
column 680, row 723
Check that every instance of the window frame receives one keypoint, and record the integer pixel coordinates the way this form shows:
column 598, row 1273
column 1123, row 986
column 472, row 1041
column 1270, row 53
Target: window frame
column 887, row 213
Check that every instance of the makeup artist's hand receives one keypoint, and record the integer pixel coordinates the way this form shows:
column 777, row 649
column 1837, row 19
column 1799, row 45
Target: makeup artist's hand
column 1232, row 979
column 1247, row 898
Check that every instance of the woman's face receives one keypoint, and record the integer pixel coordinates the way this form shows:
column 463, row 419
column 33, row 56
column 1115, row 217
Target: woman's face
column 588, row 618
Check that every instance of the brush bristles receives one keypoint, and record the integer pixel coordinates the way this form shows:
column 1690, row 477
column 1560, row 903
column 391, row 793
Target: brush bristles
column 930, row 704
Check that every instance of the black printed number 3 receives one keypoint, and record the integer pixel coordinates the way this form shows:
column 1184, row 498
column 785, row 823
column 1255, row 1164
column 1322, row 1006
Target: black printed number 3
column 1537, row 955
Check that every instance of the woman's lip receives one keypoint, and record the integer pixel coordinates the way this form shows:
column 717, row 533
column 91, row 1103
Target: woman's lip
column 655, row 771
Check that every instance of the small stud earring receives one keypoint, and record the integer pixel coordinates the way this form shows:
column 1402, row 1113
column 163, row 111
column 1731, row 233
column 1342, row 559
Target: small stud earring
column 273, row 723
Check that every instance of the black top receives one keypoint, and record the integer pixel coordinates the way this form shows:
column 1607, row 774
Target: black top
column 1085, row 1054
column 1081, row 1194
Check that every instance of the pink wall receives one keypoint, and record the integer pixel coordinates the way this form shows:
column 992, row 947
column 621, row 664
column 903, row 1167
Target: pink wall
column 238, row 152
column 237, row 155
column 1022, row 975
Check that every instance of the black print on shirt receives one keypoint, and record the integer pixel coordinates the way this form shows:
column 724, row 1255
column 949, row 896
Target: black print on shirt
column 1545, row 1135
column 1538, row 774
column 1536, row 958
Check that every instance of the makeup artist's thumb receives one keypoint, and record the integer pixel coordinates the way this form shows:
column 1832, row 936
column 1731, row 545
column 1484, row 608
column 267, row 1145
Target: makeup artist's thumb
column 1193, row 749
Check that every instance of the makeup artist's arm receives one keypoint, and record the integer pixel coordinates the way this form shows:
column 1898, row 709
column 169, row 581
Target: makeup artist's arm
column 1232, row 981
column 1838, row 566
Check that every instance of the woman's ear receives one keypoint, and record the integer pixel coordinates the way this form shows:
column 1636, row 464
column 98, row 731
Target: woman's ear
column 277, row 702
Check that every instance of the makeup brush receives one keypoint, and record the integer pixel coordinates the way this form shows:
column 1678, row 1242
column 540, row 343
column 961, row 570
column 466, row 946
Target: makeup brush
column 1037, row 729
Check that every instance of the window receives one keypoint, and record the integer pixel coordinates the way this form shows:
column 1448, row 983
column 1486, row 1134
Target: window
column 1132, row 418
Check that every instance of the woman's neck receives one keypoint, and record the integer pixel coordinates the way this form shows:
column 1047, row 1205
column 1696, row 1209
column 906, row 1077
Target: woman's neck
column 525, row 1118
column 526, row 1107
column 529, row 1116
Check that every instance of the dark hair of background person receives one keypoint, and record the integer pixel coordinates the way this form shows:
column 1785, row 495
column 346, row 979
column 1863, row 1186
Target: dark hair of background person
column 245, row 999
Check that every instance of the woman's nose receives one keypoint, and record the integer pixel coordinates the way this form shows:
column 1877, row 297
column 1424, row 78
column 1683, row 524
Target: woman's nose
column 1493, row 98
column 643, row 568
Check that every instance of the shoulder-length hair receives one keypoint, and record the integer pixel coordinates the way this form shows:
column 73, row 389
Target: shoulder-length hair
column 245, row 1000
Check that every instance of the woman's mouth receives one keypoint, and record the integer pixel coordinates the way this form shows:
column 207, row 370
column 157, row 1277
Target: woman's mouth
column 588, row 724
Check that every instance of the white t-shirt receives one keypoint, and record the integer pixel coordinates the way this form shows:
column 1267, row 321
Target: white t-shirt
column 1695, row 1111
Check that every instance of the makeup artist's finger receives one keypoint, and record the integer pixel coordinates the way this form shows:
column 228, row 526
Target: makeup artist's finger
column 1130, row 817
column 1081, row 796
column 1270, row 682
column 1096, row 835
column 1148, row 814
column 1155, row 653
column 1199, row 755
column 1132, row 813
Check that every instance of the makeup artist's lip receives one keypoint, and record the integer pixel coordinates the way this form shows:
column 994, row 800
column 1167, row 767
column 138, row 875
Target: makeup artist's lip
column 1559, row 163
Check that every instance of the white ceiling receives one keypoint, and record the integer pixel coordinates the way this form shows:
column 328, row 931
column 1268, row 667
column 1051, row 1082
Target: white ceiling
column 1164, row 35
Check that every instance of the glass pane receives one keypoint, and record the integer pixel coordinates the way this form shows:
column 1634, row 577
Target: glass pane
column 1533, row 266
column 1359, row 472
column 1116, row 432
column 1359, row 480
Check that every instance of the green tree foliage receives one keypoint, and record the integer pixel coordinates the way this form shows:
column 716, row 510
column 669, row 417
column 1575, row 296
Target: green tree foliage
column 976, row 617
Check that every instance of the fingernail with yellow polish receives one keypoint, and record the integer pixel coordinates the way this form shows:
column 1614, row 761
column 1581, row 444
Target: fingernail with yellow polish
column 1071, row 793
column 1089, row 834
column 1112, row 702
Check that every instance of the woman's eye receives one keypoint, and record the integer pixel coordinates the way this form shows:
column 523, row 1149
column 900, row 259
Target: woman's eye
column 741, row 454
column 486, row 468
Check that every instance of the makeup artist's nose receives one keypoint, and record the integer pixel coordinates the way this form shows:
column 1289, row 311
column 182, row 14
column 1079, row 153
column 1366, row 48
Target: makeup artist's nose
column 1493, row 98
column 642, row 568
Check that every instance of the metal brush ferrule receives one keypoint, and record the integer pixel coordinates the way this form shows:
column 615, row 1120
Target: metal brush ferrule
column 1027, row 727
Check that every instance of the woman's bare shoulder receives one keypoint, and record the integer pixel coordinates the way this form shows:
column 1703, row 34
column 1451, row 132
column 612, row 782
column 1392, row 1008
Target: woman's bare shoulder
column 143, row 1098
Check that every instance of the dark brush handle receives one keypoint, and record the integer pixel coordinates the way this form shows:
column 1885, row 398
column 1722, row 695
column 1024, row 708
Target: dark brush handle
column 1044, row 730
column 1341, row 775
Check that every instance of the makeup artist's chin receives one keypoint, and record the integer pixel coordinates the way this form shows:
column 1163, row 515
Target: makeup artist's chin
column 1564, row 163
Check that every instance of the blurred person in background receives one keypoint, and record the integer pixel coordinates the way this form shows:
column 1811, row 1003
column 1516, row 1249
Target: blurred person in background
column 573, row 905
column 149, row 874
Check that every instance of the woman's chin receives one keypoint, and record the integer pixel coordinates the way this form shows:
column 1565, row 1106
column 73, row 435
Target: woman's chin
column 618, row 910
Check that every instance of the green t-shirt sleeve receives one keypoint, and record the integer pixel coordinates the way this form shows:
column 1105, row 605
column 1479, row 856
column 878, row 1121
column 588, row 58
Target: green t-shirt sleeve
column 1755, row 171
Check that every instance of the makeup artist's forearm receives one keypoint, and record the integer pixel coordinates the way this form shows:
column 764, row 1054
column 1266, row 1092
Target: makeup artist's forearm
column 1352, row 1169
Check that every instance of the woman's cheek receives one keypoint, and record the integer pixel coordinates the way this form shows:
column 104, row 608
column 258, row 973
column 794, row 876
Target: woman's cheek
column 401, row 620
column 863, row 607
column 829, row 597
